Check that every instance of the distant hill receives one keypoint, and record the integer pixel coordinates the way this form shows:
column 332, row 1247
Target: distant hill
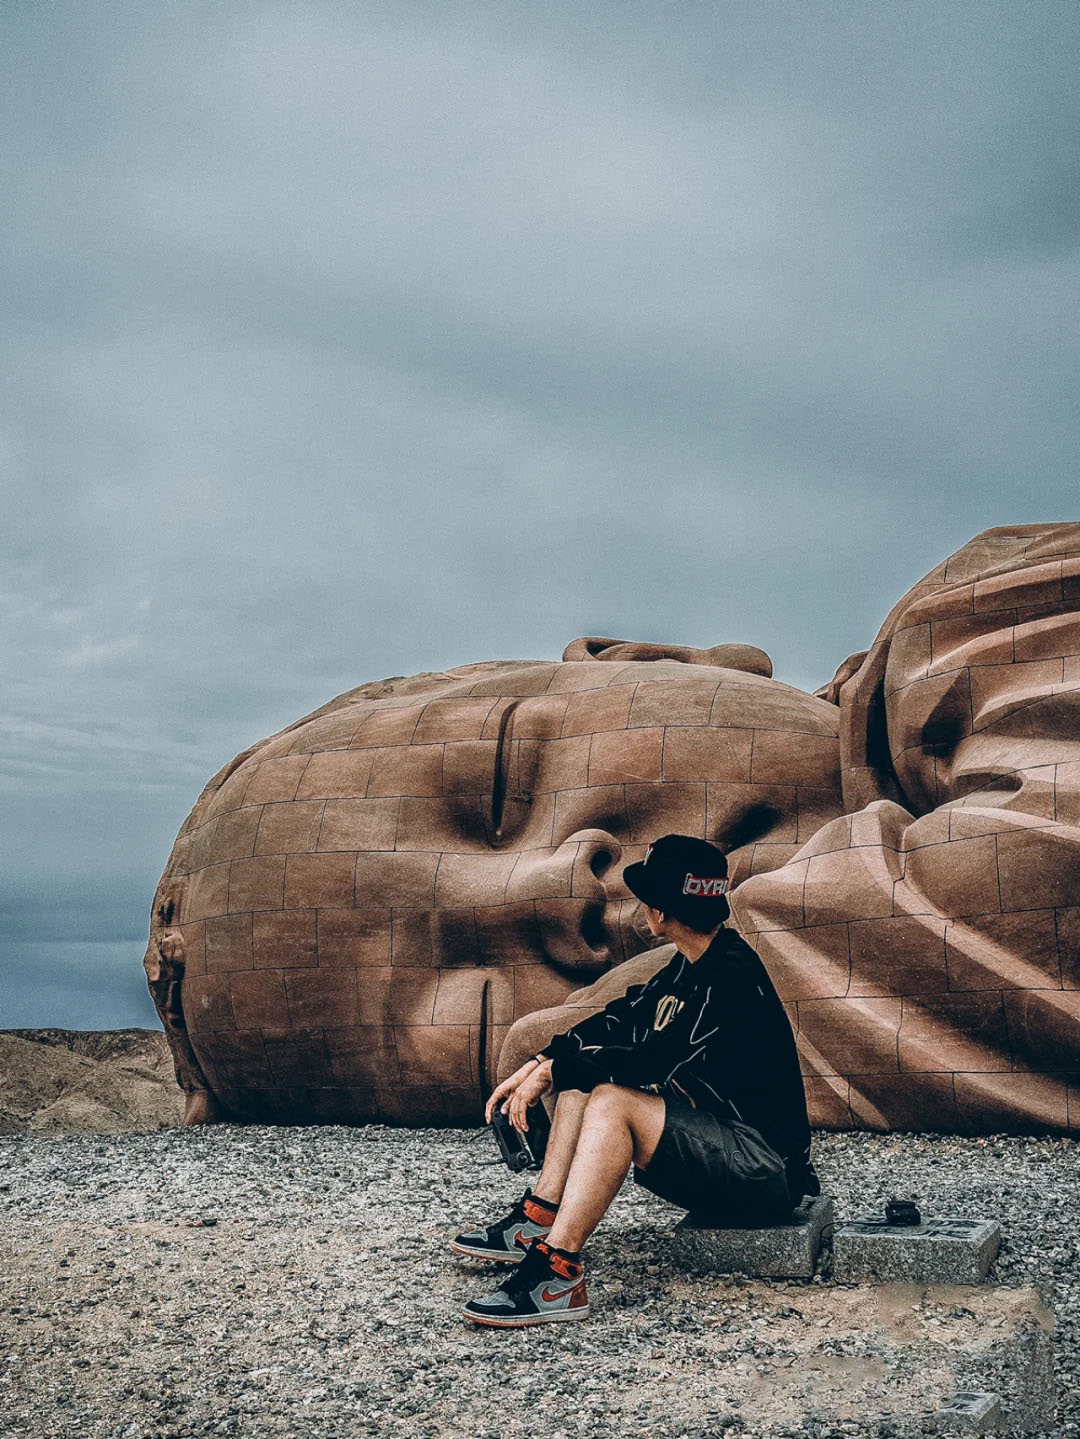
column 68, row 1081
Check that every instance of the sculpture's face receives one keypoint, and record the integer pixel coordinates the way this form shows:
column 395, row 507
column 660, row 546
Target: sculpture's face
column 981, row 705
column 371, row 898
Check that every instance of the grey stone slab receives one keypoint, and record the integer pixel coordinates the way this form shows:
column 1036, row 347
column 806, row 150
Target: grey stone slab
column 971, row 1410
column 937, row 1251
column 780, row 1251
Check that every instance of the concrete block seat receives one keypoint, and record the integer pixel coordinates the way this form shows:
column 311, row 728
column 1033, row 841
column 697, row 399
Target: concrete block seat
column 937, row 1251
column 778, row 1251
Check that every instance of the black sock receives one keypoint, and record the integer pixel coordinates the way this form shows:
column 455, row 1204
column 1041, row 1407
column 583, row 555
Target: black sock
column 573, row 1255
column 544, row 1204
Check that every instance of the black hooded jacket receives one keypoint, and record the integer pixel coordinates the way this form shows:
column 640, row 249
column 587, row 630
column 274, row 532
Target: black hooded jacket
column 711, row 1032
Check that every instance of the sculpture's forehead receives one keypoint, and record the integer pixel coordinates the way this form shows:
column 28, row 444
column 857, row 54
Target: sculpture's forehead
column 549, row 700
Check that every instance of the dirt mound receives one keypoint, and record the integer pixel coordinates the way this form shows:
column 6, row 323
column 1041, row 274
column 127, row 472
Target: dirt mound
column 68, row 1081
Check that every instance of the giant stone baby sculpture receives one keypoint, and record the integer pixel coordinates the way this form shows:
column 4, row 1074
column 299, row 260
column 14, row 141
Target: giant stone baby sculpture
column 361, row 911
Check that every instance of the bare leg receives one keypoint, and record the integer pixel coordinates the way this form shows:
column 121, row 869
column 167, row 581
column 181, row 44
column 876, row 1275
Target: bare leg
column 619, row 1125
column 562, row 1141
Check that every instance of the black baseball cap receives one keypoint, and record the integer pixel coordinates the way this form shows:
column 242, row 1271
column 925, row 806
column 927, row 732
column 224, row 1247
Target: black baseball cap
column 681, row 876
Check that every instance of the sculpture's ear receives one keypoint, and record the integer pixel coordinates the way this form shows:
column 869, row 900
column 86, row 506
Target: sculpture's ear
column 589, row 647
column 747, row 658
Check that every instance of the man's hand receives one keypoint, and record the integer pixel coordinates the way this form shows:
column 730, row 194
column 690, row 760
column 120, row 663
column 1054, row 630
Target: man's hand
column 536, row 1084
column 524, row 1087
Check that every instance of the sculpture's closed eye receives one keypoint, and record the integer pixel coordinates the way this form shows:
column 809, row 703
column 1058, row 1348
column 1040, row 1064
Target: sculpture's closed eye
column 509, row 804
column 751, row 824
column 941, row 734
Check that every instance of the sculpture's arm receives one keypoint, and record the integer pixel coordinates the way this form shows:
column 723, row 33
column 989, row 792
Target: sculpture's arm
column 930, row 965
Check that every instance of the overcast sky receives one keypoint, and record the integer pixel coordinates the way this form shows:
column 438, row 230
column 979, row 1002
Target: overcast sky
column 347, row 340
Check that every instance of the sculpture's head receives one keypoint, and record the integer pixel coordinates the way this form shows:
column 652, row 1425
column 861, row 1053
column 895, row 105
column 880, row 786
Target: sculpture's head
column 928, row 943
column 369, row 899
column 968, row 694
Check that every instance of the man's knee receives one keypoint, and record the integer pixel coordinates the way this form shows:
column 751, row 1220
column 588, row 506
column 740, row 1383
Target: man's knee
column 641, row 1114
column 611, row 1097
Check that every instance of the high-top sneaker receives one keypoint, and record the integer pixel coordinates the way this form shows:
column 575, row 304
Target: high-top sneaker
column 547, row 1286
column 506, row 1241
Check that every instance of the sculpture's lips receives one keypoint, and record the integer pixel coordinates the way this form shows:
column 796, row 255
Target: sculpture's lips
column 576, row 937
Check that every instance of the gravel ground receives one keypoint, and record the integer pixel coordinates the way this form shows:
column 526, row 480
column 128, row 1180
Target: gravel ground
column 259, row 1282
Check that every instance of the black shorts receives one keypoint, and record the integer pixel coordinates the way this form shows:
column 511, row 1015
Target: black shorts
column 719, row 1172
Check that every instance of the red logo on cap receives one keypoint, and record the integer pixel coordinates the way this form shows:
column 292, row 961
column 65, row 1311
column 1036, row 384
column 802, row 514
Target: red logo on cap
column 706, row 888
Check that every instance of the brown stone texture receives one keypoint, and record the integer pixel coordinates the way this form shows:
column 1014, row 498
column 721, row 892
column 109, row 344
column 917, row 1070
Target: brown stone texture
column 959, row 734
column 368, row 913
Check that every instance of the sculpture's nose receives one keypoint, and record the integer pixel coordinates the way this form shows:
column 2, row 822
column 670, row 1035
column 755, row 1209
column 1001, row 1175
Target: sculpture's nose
column 584, row 866
column 581, row 903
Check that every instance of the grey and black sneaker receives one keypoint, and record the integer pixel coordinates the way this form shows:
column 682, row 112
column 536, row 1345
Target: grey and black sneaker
column 547, row 1286
column 506, row 1241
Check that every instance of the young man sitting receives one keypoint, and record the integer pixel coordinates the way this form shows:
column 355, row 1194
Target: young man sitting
column 692, row 1077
